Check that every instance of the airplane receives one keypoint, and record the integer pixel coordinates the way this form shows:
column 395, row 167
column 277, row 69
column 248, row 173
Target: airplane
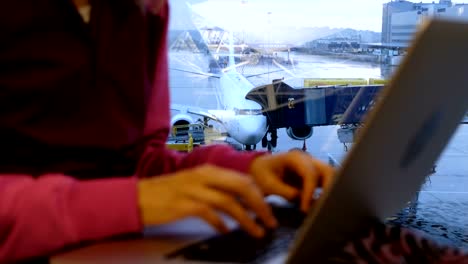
column 242, row 119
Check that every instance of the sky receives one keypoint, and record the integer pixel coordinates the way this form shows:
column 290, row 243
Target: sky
column 259, row 15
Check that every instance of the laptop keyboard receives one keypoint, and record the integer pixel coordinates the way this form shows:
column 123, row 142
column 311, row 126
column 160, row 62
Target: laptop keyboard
column 238, row 246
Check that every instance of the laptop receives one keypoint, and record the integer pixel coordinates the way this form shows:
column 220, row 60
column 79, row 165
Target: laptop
column 413, row 120
column 403, row 135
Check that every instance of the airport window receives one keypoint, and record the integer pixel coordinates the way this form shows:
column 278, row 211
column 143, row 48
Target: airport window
column 313, row 56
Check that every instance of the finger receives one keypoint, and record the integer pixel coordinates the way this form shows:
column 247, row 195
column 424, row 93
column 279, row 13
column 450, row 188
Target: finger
column 208, row 215
column 229, row 205
column 275, row 185
column 301, row 165
column 309, row 186
column 326, row 172
column 242, row 186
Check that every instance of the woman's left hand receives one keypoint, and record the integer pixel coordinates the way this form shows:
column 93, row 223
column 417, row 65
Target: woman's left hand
column 293, row 175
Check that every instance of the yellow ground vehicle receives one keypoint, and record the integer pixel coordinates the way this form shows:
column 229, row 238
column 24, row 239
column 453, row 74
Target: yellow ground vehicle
column 185, row 137
column 182, row 146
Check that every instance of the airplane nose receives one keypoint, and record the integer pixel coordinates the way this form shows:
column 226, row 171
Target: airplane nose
column 251, row 129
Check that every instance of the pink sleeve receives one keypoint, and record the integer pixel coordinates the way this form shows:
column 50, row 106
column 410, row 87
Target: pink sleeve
column 40, row 216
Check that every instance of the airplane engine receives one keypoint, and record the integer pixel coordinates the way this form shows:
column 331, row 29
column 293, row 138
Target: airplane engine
column 300, row 133
column 181, row 120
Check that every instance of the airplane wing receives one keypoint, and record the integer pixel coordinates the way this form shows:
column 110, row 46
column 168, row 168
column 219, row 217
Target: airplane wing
column 263, row 73
column 194, row 111
column 197, row 73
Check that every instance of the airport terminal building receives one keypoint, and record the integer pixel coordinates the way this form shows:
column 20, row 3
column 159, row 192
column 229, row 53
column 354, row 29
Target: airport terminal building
column 400, row 19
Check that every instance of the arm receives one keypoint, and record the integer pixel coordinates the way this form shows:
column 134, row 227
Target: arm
column 40, row 216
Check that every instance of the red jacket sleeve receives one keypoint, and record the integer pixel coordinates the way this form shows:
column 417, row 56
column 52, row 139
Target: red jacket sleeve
column 40, row 216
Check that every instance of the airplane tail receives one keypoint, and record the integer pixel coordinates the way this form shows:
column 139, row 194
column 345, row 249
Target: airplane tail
column 232, row 62
column 232, row 87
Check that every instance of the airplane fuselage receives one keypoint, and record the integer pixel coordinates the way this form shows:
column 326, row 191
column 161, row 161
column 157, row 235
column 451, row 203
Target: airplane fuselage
column 242, row 118
column 244, row 128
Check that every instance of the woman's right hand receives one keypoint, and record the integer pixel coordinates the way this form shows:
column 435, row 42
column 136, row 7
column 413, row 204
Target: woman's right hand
column 204, row 192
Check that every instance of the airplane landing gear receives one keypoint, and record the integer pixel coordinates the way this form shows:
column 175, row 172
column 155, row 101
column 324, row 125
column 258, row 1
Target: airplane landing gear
column 270, row 140
column 250, row 147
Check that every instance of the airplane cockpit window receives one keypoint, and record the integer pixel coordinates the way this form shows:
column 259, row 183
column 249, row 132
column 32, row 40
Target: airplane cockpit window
column 280, row 75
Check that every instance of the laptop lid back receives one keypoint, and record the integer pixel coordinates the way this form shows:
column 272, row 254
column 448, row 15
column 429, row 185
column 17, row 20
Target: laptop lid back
column 413, row 120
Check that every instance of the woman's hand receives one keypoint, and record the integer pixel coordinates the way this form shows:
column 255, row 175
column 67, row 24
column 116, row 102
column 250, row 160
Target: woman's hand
column 204, row 192
column 293, row 175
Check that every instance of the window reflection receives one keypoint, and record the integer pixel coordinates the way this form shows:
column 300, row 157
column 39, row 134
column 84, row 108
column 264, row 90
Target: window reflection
column 290, row 53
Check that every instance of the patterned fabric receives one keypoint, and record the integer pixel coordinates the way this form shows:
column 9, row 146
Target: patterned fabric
column 393, row 244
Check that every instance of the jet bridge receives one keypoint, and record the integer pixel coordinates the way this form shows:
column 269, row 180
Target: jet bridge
column 300, row 108
column 320, row 106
